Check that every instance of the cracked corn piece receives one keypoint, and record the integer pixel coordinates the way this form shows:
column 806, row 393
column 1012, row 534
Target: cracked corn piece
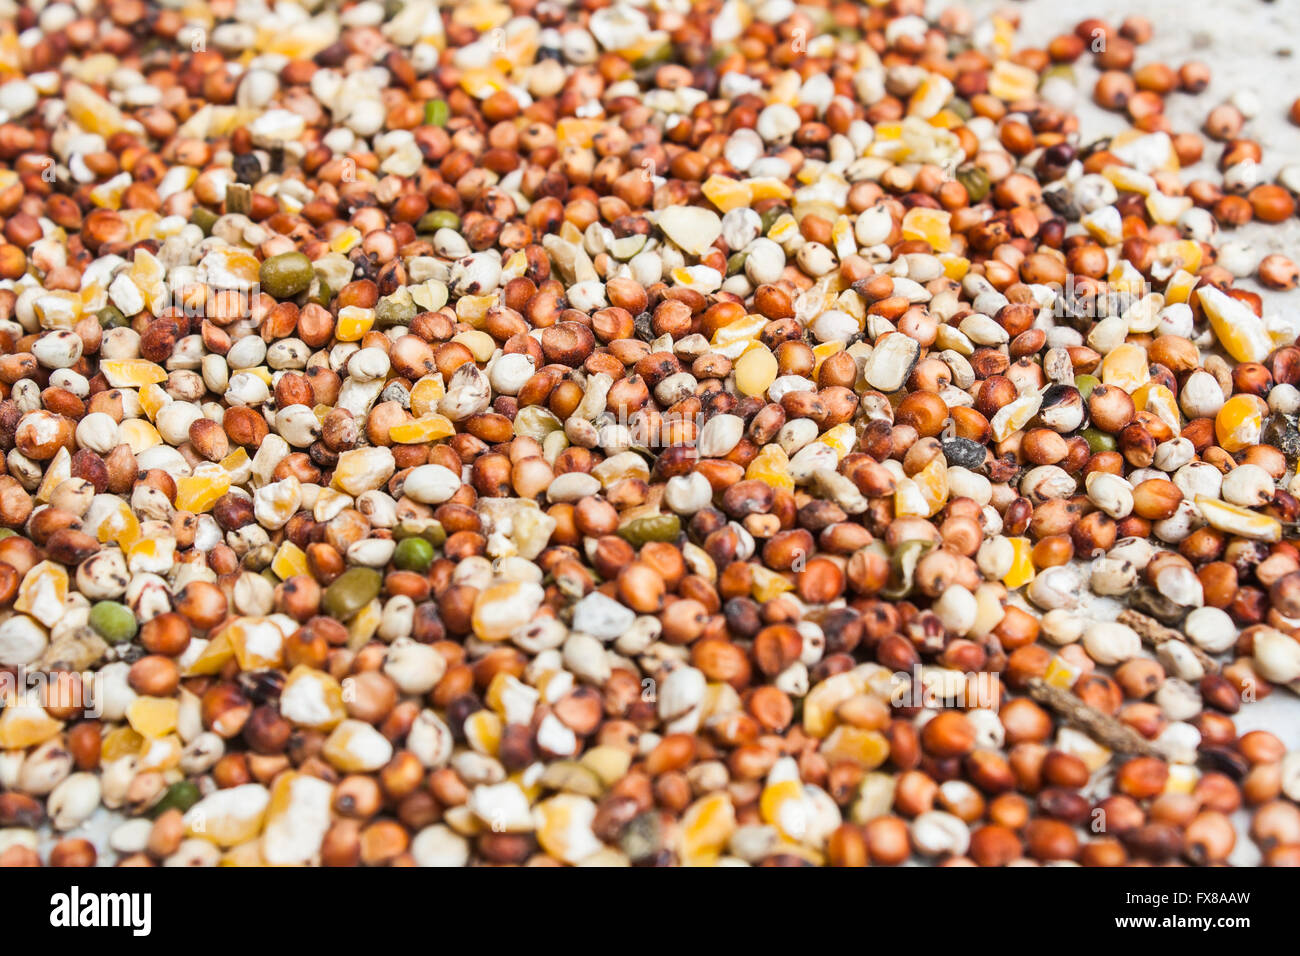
column 819, row 706
column 120, row 742
column 160, row 754
column 200, row 491
column 153, row 717
column 356, row 747
column 866, row 748
column 132, row 373
column 1022, row 565
column 43, row 593
column 1240, row 422
column 1011, row 81
column 503, row 608
column 26, row 724
column 771, row 466
column 483, row 730
column 1126, row 366
column 928, row 225
column 426, row 394
column 563, row 827
column 289, row 560
column 353, row 323
column 214, row 656
column 229, row 817
column 706, row 826
column 768, row 585
column 419, row 431
column 726, row 193
column 1232, row 519
column 257, row 642
column 1239, row 330
column 312, row 699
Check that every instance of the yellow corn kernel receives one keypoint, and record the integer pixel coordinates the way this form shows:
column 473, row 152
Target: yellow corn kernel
column 781, row 804
column 91, row 111
column 726, row 193
column 1239, row 422
column 1015, row 415
column 426, row 394
column 257, row 643
column 842, row 437
column 928, row 98
column 928, row 225
column 1126, row 366
column 1182, row 778
column 822, row 352
column 483, row 730
column 59, row 471
column 932, row 483
column 1129, row 180
column 356, row 747
column 1061, row 673
column 235, row 463
column 1159, row 400
column 744, row 329
column 1181, row 283
column 213, row 657
column 955, row 267
column 474, row 308
column 575, row 131
column 229, row 817
column 132, row 373
column 607, row 762
column 427, row 428
column 354, row 322
column 706, row 827
column 772, row 466
column 499, row 610
column 1022, row 565
column 312, row 698
column 785, row 228
column 1242, row 522
column 44, row 593
column 24, row 724
column 766, row 585
column 153, row 555
column 768, row 187
column 289, row 560
column 1011, row 81
column 152, row 400
column 564, row 827
column 1105, row 225
column 1237, row 327
column 153, row 717
column 821, row 703
column 755, row 371
column 120, row 742
column 866, row 748
column 364, row 624
column 139, row 435
column 199, row 492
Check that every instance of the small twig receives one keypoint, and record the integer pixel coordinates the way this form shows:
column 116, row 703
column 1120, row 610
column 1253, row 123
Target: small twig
column 1153, row 634
column 1106, row 730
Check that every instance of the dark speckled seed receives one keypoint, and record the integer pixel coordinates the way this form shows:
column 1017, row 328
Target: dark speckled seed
column 1281, row 433
column 642, row 838
column 963, row 453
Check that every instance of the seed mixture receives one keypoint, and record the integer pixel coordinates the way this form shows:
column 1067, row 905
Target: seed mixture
column 634, row 433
